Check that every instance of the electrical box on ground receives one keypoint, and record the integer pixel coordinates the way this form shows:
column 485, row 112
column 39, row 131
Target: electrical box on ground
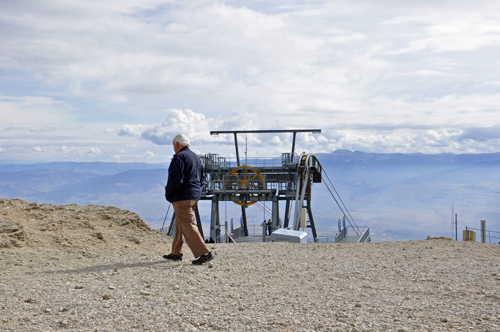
column 288, row 235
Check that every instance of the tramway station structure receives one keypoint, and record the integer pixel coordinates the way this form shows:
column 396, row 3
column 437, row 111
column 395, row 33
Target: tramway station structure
column 289, row 178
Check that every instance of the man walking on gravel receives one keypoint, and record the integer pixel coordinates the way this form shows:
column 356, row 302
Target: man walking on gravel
column 183, row 190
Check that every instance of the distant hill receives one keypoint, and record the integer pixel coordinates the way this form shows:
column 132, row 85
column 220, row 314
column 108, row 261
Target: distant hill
column 406, row 196
column 399, row 196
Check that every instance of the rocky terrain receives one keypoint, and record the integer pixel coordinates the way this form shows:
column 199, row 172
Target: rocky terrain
column 95, row 268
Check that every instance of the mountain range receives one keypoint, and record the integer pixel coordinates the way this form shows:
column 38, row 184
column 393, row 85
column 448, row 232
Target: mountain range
column 399, row 196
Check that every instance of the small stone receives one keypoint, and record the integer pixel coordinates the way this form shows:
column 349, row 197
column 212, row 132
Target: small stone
column 444, row 319
column 106, row 297
column 176, row 287
column 47, row 310
column 78, row 287
column 210, row 265
column 111, row 287
column 145, row 293
column 358, row 305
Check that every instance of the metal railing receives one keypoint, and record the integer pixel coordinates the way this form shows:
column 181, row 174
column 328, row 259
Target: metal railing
column 252, row 230
column 343, row 233
column 215, row 161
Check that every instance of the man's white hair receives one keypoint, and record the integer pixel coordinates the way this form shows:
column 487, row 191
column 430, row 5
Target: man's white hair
column 182, row 140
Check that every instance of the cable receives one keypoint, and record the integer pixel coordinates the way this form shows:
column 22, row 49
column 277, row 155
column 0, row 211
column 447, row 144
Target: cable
column 353, row 223
column 338, row 196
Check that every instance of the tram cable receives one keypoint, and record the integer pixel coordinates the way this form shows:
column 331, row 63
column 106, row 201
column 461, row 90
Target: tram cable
column 350, row 219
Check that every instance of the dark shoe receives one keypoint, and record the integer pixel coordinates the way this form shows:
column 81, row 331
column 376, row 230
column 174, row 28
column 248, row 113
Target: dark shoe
column 173, row 257
column 203, row 259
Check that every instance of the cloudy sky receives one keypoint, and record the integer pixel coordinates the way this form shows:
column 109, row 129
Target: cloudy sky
column 115, row 80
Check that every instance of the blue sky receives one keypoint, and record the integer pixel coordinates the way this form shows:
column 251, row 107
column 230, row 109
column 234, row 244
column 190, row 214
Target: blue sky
column 116, row 80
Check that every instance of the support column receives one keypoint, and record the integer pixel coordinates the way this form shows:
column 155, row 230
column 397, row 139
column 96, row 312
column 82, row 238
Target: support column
column 244, row 217
column 275, row 219
column 311, row 220
column 483, row 231
column 214, row 220
column 198, row 220
column 287, row 213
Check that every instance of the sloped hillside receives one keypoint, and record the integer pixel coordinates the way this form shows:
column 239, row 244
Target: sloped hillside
column 82, row 230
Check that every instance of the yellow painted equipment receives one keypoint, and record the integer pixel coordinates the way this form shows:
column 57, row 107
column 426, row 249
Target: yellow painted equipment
column 468, row 235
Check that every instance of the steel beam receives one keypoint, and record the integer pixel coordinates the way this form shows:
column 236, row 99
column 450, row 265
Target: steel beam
column 214, row 221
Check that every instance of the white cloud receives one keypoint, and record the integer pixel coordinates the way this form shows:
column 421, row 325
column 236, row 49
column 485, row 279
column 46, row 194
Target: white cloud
column 390, row 139
column 381, row 75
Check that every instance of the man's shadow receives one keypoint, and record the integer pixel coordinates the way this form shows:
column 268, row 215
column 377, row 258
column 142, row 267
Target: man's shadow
column 115, row 267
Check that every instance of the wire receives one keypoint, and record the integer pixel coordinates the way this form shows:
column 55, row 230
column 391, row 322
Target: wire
column 353, row 223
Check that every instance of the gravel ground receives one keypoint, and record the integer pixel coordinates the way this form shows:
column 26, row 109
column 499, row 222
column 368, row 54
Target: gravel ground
column 58, row 273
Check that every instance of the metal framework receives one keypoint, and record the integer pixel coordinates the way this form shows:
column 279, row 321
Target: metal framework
column 288, row 179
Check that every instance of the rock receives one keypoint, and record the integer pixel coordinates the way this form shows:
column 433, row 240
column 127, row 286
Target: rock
column 106, row 297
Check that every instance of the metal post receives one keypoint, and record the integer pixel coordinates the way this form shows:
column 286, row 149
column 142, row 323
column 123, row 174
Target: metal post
column 214, row 220
column 293, row 146
column 275, row 214
column 456, row 227
column 244, row 216
column 264, row 231
column 483, row 231
column 311, row 221
column 227, row 235
column 287, row 213
column 198, row 221
column 237, row 152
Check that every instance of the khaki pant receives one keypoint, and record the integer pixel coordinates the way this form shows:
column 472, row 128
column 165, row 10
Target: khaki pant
column 185, row 228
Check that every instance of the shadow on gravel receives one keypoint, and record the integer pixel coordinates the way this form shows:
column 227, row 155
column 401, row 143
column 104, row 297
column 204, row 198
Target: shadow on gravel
column 117, row 266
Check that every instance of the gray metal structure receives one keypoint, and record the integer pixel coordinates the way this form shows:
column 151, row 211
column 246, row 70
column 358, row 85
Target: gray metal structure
column 287, row 179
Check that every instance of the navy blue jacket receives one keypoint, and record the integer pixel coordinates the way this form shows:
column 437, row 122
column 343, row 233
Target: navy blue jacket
column 185, row 177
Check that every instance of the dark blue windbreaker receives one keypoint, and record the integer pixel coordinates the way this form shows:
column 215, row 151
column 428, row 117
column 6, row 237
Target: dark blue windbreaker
column 185, row 177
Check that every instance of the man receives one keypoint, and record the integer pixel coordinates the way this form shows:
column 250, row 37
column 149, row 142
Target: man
column 183, row 190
